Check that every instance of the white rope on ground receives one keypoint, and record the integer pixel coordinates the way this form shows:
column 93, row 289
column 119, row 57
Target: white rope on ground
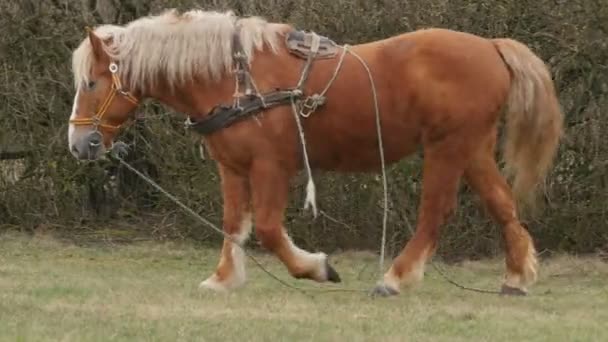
column 120, row 148
column 200, row 218
column 442, row 272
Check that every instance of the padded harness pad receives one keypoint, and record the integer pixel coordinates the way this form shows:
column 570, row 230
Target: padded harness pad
column 299, row 42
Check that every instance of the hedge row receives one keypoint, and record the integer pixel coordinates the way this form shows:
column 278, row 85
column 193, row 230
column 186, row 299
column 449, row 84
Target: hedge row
column 55, row 192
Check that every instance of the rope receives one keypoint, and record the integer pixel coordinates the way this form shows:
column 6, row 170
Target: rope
column 385, row 190
column 203, row 220
column 318, row 99
column 120, row 148
column 382, row 161
column 310, row 187
column 314, row 48
column 449, row 280
column 310, row 200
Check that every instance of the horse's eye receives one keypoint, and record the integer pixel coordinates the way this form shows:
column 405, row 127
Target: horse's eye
column 91, row 85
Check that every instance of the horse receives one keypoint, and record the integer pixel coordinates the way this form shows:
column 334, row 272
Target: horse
column 239, row 80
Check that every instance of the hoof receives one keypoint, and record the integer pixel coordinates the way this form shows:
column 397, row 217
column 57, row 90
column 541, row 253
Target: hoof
column 507, row 290
column 383, row 291
column 332, row 275
column 213, row 285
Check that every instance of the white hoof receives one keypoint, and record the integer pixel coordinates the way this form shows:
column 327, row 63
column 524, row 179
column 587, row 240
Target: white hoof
column 235, row 281
column 212, row 283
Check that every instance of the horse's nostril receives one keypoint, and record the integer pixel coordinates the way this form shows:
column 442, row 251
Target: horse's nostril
column 74, row 149
column 95, row 140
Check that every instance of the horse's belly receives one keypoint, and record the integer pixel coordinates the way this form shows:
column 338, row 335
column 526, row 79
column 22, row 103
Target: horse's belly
column 343, row 133
column 351, row 152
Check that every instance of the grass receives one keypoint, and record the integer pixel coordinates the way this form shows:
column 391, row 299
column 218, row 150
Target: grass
column 57, row 291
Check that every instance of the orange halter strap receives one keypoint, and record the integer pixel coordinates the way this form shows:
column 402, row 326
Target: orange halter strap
column 96, row 120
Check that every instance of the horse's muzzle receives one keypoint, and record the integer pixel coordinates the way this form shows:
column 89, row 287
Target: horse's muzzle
column 89, row 146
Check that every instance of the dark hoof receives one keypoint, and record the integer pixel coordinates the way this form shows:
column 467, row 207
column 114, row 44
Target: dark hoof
column 383, row 291
column 511, row 291
column 332, row 275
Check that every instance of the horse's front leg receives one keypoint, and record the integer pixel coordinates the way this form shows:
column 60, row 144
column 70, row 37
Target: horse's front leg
column 270, row 187
column 237, row 222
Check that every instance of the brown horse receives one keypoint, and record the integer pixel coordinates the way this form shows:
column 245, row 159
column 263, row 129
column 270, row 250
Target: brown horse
column 438, row 90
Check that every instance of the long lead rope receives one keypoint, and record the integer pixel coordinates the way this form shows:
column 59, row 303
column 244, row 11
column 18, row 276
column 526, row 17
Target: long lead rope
column 203, row 220
column 116, row 155
column 310, row 192
column 382, row 161
column 302, row 290
column 385, row 190
column 346, row 48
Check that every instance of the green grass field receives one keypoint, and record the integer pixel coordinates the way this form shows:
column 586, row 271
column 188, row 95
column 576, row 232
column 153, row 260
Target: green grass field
column 56, row 291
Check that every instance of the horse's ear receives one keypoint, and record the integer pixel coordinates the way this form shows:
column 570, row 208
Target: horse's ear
column 96, row 44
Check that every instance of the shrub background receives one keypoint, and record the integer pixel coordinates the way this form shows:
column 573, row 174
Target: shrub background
column 51, row 191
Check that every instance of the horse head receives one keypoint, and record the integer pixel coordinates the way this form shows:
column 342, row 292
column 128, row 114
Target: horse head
column 101, row 104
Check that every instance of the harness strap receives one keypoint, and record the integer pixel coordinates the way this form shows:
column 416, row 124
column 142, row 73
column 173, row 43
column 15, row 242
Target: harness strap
column 127, row 94
column 96, row 119
column 245, row 105
column 314, row 49
column 115, row 87
column 222, row 116
column 241, row 65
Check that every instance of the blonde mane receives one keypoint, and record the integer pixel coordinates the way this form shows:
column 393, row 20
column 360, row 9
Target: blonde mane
column 178, row 46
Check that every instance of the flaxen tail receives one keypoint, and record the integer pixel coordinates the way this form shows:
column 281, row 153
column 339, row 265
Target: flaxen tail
column 534, row 120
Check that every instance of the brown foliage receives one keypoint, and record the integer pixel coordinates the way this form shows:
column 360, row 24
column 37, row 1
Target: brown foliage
column 54, row 190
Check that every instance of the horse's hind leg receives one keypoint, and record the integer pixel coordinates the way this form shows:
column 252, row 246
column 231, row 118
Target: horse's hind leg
column 230, row 272
column 444, row 164
column 269, row 186
column 485, row 178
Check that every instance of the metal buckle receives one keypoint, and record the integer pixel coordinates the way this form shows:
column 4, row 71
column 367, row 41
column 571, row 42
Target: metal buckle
column 113, row 67
column 310, row 104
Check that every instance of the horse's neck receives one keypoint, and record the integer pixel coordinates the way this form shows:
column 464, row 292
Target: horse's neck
column 275, row 71
column 195, row 98
column 268, row 72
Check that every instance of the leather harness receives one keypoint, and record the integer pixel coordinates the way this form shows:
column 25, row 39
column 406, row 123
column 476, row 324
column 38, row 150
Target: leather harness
column 223, row 116
column 305, row 45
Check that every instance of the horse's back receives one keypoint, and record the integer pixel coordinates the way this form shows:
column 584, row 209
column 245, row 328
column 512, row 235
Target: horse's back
column 428, row 82
column 453, row 77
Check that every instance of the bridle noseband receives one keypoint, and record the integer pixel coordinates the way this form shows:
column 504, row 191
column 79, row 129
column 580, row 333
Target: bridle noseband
column 96, row 120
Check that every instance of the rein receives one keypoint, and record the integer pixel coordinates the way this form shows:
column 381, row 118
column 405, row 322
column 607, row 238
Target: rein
column 119, row 149
column 116, row 88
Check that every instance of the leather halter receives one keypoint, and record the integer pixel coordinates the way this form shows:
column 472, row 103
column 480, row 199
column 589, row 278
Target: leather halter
column 116, row 88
